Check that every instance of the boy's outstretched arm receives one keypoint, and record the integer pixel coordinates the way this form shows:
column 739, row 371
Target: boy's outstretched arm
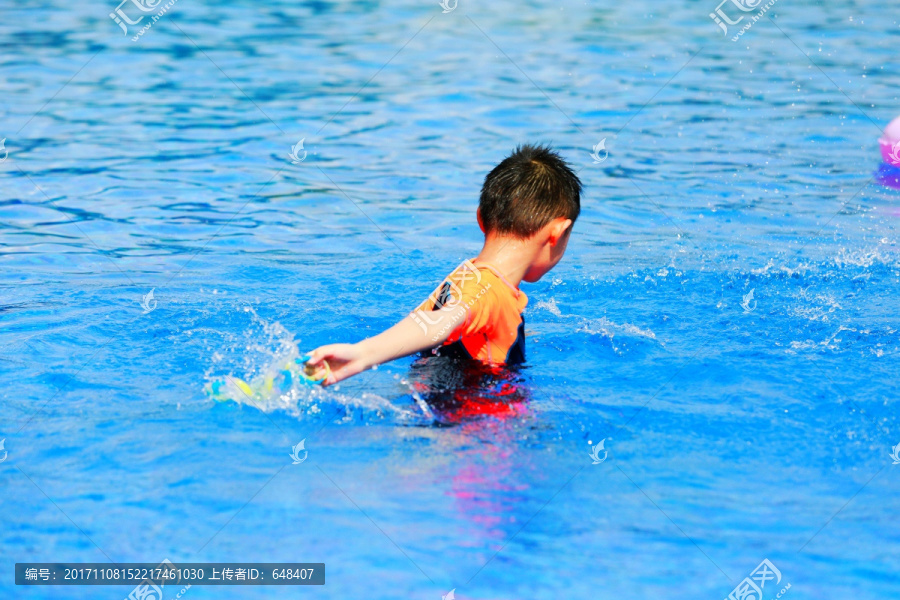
column 405, row 338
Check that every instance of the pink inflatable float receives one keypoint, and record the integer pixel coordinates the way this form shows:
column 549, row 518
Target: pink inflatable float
column 890, row 143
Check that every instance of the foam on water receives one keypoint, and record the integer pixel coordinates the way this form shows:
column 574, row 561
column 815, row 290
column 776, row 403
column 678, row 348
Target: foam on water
column 609, row 329
column 738, row 425
column 614, row 334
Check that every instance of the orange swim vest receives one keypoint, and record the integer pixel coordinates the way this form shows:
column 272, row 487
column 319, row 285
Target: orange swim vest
column 487, row 323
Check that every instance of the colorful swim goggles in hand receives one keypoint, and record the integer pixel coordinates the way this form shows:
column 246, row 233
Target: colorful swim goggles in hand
column 225, row 389
column 308, row 372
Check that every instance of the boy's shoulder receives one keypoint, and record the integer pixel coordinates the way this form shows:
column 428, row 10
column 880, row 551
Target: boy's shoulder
column 475, row 281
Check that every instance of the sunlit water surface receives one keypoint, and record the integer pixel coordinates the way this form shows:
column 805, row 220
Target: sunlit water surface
column 725, row 320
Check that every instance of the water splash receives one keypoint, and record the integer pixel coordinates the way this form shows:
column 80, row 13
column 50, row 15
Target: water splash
column 609, row 329
column 602, row 326
column 831, row 343
column 550, row 306
column 268, row 379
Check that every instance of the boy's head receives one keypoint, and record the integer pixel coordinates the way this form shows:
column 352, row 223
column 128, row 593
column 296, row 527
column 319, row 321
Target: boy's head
column 532, row 195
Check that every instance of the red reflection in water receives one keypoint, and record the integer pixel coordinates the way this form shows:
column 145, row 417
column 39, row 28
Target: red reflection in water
column 459, row 391
column 483, row 405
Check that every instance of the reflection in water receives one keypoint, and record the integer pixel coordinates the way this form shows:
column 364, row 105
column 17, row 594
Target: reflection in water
column 490, row 489
column 185, row 195
column 485, row 405
column 459, row 390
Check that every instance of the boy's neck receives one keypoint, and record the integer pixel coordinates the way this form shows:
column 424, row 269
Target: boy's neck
column 510, row 255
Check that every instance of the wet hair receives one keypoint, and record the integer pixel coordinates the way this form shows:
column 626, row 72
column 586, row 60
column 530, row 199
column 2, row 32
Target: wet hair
column 530, row 188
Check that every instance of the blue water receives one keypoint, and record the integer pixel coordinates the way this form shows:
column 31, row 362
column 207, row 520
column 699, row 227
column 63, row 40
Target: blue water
column 734, row 433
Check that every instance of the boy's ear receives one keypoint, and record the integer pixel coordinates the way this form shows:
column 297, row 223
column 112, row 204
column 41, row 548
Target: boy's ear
column 480, row 223
column 558, row 229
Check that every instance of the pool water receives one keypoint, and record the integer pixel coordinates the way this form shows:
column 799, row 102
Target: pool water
column 724, row 322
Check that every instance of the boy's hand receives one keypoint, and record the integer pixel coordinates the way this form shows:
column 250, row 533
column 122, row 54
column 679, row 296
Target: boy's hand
column 345, row 361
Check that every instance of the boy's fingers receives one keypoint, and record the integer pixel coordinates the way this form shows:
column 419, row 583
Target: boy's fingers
column 341, row 373
column 332, row 378
column 330, row 351
column 317, row 355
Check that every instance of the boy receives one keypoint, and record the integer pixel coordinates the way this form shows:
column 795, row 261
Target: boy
column 527, row 207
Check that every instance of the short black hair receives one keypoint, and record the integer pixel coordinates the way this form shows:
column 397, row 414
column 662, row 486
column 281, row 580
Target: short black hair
column 530, row 188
